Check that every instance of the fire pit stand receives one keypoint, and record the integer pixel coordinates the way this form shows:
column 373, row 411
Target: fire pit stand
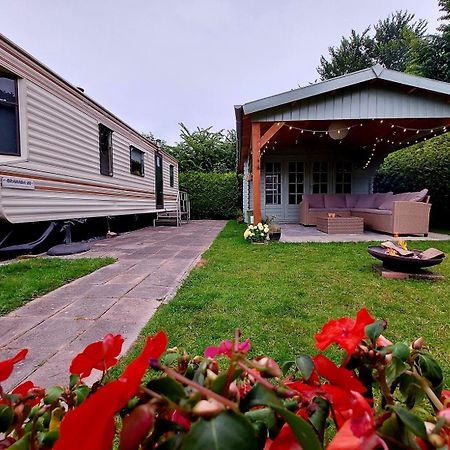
column 404, row 267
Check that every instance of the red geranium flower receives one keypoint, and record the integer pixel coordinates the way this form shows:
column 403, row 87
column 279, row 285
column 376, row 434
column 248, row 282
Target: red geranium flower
column 285, row 440
column 346, row 332
column 91, row 425
column 358, row 432
column 100, row 355
column 226, row 348
column 337, row 392
column 28, row 388
column 7, row 366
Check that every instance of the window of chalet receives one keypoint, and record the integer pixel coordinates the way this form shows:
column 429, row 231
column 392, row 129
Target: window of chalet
column 296, row 182
column 320, row 177
column 106, row 150
column 171, row 176
column 136, row 161
column 9, row 116
column 343, row 177
column 273, row 183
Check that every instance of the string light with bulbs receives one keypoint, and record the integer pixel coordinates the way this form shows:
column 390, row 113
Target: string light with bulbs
column 345, row 129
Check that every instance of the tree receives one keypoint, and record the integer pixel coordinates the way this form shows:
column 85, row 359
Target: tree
column 394, row 38
column 390, row 46
column 151, row 137
column 431, row 58
column 354, row 53
column 204, row 150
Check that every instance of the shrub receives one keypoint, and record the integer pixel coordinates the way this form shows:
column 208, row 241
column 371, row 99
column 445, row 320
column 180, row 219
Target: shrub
column 424, row 165
column 383, row 396
column 213, row 195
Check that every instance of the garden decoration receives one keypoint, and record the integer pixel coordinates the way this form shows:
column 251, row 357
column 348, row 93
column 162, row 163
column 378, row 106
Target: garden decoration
column 258, row 233
column 397, row 256
column 382, row 396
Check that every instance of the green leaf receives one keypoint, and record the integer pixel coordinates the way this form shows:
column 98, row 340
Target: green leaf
column 21, row 444
column 430, row 370
column 53, row 395
column 170, row 358
column 319, row 417
column 400, row 351
column 265, row 415
column 390, row 426
column 411, row 421
column 199, row 375
column 259, row 395
column 261, row 434
column 6, row 417
column 227, row 431
column 394, row 369
column 50, row 438
column 81, row 392
column 303, row 431
column 305, row 364
column 374, row 330
column 74, row 379
column 286, row 366
column 168, row 387
column 218, row 384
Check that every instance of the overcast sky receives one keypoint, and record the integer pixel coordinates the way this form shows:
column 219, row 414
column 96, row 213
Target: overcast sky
column 157, row 63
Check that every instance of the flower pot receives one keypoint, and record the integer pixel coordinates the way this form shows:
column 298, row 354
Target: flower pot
column 275, row 235
column 259, row 242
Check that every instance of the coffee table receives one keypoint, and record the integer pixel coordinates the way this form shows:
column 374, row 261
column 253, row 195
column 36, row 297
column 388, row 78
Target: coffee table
column 340, row 225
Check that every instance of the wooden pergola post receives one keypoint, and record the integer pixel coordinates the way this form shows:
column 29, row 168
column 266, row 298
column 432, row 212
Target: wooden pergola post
column 256, row 171
column 258, row 143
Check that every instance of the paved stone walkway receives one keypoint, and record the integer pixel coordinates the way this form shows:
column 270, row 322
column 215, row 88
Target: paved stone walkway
column 120, row 298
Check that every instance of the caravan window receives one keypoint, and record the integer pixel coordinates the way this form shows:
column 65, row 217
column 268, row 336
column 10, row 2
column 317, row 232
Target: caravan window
column 9, row 116
column 136, row 161
column 106, row 153
column 171, row 176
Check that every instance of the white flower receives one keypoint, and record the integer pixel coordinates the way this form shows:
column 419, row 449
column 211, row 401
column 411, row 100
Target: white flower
column 247, row 234
column 266, row 229
column 260, row 226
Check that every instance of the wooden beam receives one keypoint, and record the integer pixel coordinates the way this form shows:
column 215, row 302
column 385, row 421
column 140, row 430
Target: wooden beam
column 256, row 171
column 270, row 133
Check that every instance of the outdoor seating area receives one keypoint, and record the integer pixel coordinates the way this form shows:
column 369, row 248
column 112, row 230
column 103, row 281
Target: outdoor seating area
column 295, row 233
column 401, row 214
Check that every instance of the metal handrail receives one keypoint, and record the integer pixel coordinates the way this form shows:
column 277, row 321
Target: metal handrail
column 184, row 206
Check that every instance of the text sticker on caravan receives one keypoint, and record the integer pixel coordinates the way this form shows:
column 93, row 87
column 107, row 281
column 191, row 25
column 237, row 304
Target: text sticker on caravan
column 17, row 183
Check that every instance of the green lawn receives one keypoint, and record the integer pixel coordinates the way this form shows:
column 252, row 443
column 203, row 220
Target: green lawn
column 22, row 281
column 279, row 295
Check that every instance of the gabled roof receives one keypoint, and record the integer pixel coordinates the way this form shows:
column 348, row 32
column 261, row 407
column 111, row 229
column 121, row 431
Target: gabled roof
column 351, row 79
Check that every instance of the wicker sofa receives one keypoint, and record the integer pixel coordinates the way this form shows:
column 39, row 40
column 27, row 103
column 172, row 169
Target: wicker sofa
column 407, row 213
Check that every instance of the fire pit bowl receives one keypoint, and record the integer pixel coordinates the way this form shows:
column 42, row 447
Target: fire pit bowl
column 409, row 264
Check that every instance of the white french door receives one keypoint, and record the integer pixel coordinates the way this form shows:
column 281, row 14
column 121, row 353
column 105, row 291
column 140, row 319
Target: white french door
column 285, row 182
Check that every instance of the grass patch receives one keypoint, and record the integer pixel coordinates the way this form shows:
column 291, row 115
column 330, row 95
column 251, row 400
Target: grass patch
column 22, row 281
column 279, row 295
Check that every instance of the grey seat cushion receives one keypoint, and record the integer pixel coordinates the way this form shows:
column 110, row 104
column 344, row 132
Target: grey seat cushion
column 372, row 211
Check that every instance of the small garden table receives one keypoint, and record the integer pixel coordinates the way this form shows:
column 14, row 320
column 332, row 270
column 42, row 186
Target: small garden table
column 340, row 225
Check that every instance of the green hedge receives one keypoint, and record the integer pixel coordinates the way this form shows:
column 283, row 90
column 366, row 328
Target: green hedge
column 424, row 165
column 213, row 195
